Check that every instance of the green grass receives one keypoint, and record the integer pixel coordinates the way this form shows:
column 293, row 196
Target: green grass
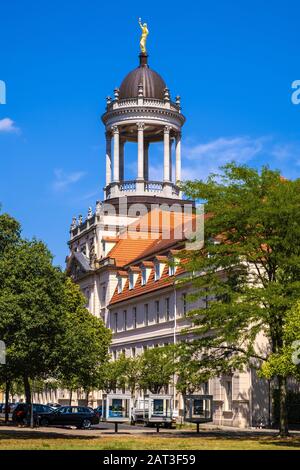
column 29, row 441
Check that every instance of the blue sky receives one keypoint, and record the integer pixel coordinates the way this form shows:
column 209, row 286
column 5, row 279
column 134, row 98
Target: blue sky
column 232, row 63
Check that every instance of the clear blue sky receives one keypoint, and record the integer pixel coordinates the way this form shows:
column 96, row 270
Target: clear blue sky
column 232, row 62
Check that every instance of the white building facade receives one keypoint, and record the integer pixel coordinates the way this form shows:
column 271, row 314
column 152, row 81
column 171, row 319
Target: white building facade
column 120, row 253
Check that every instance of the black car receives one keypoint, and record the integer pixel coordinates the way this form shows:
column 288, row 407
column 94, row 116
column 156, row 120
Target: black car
column 98, row 410
column 21, row 413
column 79, row 416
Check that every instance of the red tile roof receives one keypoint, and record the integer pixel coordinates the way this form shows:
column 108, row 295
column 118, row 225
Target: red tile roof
column 151, row 285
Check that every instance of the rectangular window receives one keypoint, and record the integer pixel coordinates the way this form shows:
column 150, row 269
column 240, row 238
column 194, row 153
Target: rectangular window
column 228, row 395
column 134, row 319
column 171, row 268
column 115, row 355
column 157, row 311
column 124, row 352
column 167, row 309
column 156, row 271
column 184, row 304
column 125, row 320
column 205, row 388
column 133, row 352
column 146, row 314
column 143, row 276
column 144, row 348
column 116, row 322
column 130, row 280
column 119, row 285
column 103, row 293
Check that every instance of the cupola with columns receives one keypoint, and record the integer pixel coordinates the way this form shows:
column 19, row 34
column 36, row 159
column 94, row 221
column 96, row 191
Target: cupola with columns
column 143, row 112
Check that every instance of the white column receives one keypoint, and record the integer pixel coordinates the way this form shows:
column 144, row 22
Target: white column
column 167, row 153
column 146, row 160
column 108, row 158
column 140, row 127
column 178, row 158
column 121, row 156
column 171, row 142
column 116, row 153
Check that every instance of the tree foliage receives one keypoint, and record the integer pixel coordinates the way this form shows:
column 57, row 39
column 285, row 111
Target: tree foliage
column 44, row 323
column 250, row 265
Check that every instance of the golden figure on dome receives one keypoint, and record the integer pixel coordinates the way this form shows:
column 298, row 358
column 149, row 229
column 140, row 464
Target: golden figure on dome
column 145, row 33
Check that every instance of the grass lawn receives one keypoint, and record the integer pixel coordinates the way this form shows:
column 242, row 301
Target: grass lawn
column 186, row 442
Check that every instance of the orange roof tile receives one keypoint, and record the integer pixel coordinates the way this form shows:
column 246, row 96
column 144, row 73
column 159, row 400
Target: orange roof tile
column 127, row 250
column 151, row 285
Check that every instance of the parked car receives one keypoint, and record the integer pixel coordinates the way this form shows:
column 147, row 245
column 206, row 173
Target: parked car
column 98, row 410
column 79, row 416
column 55, row 406
column 10, row 407
column 21, row 413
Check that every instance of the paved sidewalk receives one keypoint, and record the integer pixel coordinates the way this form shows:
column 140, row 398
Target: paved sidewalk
column 104, row 429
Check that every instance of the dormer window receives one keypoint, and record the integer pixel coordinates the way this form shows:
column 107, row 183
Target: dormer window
column 119, row 285
column 171, row 268
column 156, row 271
column 131, row 280
column 144, row 276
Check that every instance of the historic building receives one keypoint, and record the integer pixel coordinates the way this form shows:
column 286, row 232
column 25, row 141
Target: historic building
column 120, row 254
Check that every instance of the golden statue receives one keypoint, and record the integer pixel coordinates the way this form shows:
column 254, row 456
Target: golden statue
column 145, row 33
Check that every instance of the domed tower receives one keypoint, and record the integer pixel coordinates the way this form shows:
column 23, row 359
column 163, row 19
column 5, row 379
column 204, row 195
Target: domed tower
column 142, row 112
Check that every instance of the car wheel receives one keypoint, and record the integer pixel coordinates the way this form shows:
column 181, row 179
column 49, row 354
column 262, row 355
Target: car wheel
column 44, row 422
column 86, row 424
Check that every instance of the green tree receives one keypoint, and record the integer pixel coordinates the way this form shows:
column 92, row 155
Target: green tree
column 10, row 231
column 113, row 375
column 251, row 261
column 9, row 236
column 31, row 311
column 157, row 368
column 83, row 352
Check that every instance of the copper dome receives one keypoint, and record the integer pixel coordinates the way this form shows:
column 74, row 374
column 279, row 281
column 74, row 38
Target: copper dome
column 152, row 82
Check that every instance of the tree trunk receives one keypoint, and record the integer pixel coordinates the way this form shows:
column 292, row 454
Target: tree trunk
column 70, row 399
column 283, row 421
column 7, row 387
column 87, row 392
column 27, row 389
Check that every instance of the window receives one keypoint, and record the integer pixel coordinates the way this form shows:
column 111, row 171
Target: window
column 134, row 321
column 167, row 308
column 132, row 352
column 228, row 395
column 205, row 388
column 146, row 312
column 119, row 285
column 125, row 319
column 184, row 304
column 144, row 348
column 171, row 267
column 130, row 280
column 124, row 352
column 156, row 271
column 103, row 293
column 157, row 311
column 115, row 355
column 116, row 322
column 143, row 276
